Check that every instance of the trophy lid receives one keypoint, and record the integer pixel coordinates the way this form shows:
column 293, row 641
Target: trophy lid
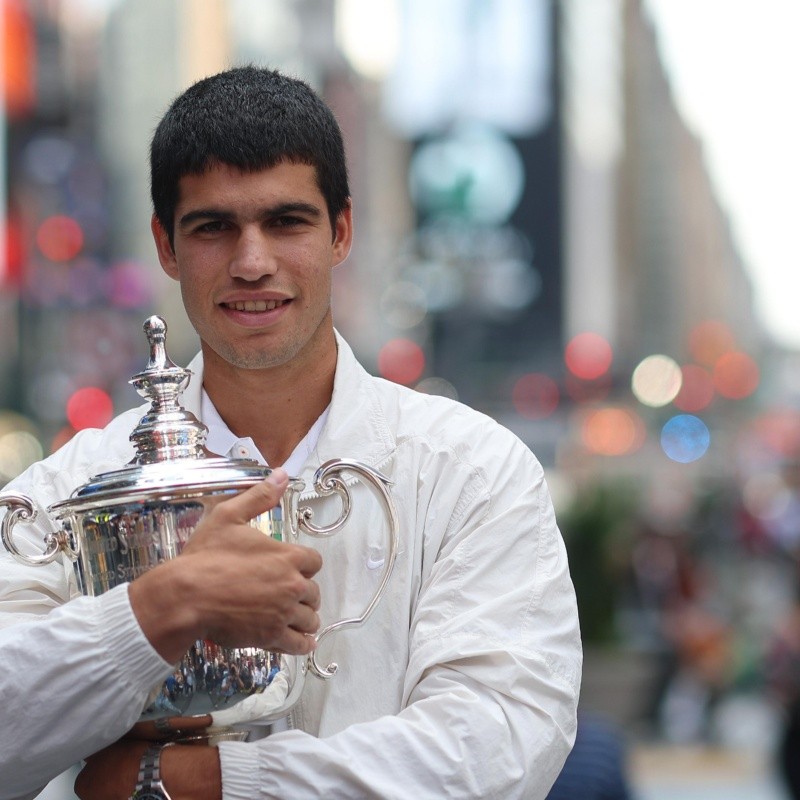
column 171, row 459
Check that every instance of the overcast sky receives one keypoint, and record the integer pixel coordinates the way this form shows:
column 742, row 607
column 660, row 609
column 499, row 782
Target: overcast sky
column 735, row 66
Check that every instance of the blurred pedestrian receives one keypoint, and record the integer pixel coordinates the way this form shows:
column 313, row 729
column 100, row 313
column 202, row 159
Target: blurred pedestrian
column 596, row 769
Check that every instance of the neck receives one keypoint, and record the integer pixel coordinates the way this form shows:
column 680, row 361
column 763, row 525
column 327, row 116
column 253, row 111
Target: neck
column 275, row 407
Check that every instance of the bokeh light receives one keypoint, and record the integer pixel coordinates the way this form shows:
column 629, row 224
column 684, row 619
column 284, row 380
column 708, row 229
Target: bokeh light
column 656, row 380
column 779, row 430
column 736, row 375
column 62, row 437
column 613, row 431
column 535, row 396
column 709, row 340
column 588, row 356
column 129, row 284
column 766, row 495
column 685, row 438
column 697, row 389
column 19, row 445
column 401, row 361
column 89, row 407
column 18, row 450
column 59, row 238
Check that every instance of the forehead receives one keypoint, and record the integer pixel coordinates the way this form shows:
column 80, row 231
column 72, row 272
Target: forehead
column 223, row 184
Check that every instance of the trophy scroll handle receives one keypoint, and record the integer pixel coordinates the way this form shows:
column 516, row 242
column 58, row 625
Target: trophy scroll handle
column 327, row 481
column 20, row 507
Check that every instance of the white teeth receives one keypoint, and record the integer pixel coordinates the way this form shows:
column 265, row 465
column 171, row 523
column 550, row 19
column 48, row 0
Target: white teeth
column 254, row 305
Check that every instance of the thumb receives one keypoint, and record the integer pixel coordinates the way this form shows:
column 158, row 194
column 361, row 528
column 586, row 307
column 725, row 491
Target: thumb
column 257, row 499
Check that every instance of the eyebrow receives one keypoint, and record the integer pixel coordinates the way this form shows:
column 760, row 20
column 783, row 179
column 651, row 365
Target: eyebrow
column 267, row 213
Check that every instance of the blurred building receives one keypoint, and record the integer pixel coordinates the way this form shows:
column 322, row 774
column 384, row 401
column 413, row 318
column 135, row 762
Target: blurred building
column 509, row 199
column 651, row 252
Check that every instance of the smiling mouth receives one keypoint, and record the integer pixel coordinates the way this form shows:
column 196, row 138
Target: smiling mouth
column 255, row 305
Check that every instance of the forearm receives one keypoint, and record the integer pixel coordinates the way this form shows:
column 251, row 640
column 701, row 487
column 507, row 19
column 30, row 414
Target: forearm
column 77, row 679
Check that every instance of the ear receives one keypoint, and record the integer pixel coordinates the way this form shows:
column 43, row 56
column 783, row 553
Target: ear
column 166, row 253
column 343, row 235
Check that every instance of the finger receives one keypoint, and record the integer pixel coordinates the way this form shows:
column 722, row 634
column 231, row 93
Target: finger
column 305, row 620
column 294, row 643
column 307, row 560
column 257, row 499
column 311, row 596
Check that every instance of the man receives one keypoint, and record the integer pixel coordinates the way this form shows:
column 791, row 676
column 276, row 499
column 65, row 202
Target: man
column 464, row 681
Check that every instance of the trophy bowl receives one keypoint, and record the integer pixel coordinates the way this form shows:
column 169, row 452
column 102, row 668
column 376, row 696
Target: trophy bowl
column 120, row 524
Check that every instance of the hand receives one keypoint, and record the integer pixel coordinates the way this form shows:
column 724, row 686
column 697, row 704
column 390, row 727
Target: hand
column 232, row 584
column 189, row 772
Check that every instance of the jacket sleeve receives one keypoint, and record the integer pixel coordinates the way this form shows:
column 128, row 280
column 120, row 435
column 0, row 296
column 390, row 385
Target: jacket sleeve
column 492, row 683
column 77, row 672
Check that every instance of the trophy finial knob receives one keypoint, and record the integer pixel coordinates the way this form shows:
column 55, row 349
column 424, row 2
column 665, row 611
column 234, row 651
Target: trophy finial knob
column 167, row 431
column 155, row 329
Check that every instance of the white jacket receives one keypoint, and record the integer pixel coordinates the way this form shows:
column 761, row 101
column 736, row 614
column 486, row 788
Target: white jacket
column 462, row 684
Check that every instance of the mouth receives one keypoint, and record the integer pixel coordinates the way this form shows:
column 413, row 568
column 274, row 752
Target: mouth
column 255, row 305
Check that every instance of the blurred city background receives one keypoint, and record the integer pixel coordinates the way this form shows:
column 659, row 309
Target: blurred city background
column 540, row 233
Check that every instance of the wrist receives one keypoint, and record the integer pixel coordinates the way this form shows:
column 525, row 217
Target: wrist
column 161, row 600
column 192, row 772
column 149, row 782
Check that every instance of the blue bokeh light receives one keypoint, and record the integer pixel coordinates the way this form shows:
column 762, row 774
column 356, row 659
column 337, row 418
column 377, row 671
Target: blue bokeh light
column 685, row 438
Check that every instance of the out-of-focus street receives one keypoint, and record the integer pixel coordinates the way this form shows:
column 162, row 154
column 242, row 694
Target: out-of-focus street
column 662, row 772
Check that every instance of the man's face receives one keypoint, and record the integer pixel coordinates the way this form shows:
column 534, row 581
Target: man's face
column 253, row 252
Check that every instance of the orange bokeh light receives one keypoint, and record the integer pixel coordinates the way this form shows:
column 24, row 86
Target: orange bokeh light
column 62, row 437
column 588, row 356
column 736, row 375
column 401, row 361
column 89, row 407
column 709, row 340
column 697, row 389
column 613, row 431
column 535, row 396
column 59, row 238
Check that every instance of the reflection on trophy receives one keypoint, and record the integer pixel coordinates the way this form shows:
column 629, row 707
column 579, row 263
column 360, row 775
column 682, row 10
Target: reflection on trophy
column 122, row 523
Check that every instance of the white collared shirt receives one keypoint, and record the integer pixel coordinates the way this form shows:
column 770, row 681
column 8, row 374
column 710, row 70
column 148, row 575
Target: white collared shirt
column 223, row 441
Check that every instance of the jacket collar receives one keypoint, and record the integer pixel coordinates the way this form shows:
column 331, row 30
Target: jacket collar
column 356, row 427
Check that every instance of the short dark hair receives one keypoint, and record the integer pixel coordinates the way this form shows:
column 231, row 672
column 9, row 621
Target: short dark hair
column 251, row 118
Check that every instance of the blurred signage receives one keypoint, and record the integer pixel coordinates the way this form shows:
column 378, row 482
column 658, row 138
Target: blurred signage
column 483, row 60
column 18, row 58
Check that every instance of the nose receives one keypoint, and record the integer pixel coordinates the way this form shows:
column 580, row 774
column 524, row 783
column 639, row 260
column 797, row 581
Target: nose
column 252, row 258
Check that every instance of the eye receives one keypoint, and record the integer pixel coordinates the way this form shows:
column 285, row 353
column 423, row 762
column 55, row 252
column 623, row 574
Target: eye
column 288, row 221
column 212, row 226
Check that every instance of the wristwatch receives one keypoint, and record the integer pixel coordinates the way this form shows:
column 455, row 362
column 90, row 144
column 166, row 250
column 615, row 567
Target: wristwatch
column 149, row 785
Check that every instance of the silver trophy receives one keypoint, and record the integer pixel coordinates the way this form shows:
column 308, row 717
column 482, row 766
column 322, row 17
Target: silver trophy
column 122, row 523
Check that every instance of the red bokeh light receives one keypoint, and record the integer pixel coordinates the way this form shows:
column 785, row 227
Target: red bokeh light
column 89, row 407
column 535, row 396
column 779, row 429
column 401, row 361
column 588, row 356
column 59, row 238
column 736, row 375
column 697, row 389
